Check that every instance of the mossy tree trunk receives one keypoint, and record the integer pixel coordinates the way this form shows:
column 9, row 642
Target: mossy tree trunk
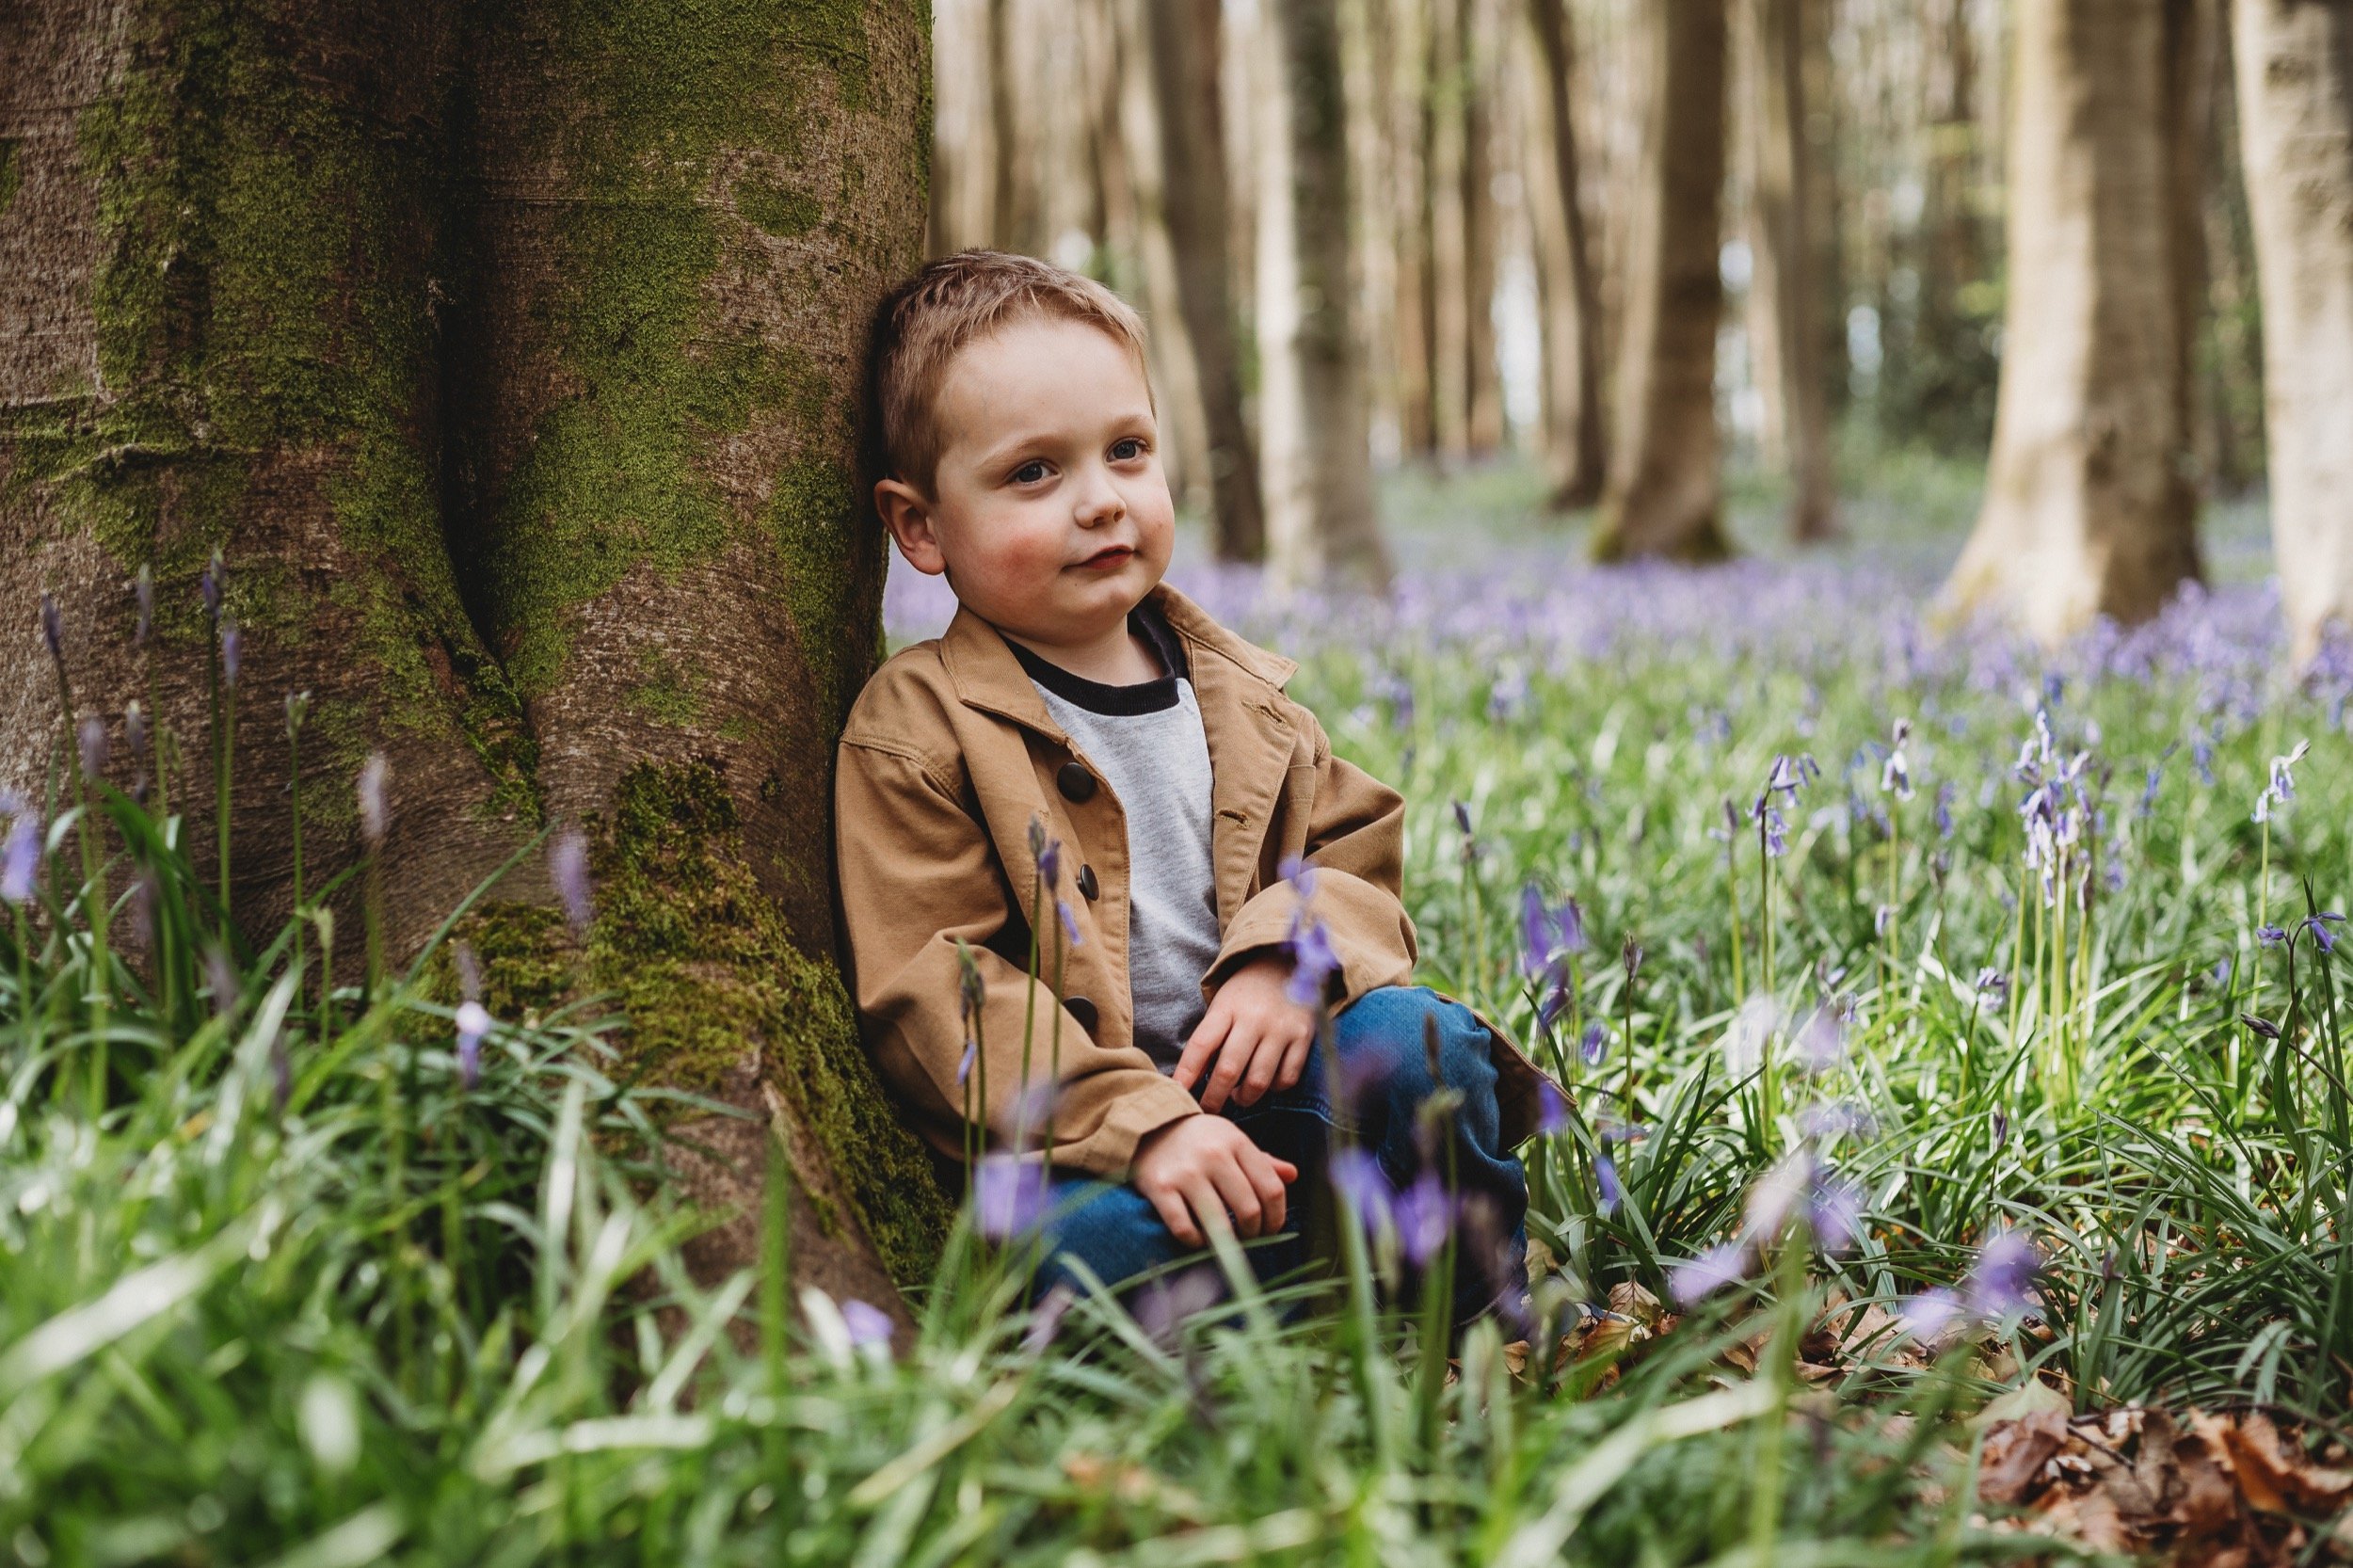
column 2090, row 507
column 1664, row 495
column 508, row 355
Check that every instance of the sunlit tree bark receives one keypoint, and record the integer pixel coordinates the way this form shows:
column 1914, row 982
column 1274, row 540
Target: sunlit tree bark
column 1321, row 522
column 2295, row 124
column 2091, row 508
column 1664, row 492
column 1786, row 320
column 1569, row 289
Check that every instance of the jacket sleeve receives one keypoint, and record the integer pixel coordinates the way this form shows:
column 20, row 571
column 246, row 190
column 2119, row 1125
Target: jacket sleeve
column 1355, row 841
column 909, row 892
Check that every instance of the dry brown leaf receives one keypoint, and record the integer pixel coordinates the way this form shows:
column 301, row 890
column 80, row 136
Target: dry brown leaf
column 2279, row 1481
column 2016, row 1454
column 1630, row 1300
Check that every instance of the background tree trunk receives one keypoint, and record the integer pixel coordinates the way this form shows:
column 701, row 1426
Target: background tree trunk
column 526, row 436
column 1664, row 493
column 1415, row 131
column 1569, row 289
column 2089, row 508
column 1482, row 381
column 2295, row 124
column 1448, row 282
column 1321, row 523
column 1785, row 315
column 1176, row 44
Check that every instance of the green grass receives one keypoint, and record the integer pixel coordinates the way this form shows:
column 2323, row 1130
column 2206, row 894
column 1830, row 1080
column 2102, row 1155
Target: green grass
column 279, row 1284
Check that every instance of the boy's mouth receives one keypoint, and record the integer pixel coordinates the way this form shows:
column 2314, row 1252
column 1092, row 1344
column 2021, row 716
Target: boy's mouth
column 1108, row 557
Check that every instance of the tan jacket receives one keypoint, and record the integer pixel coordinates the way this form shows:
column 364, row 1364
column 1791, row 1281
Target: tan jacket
column 948, row 755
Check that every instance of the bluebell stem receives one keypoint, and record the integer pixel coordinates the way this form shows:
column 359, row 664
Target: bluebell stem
column 868, row 1325
column 568, row 867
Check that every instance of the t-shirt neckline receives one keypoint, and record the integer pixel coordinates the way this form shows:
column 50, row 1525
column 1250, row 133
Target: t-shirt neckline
column 1095, row 696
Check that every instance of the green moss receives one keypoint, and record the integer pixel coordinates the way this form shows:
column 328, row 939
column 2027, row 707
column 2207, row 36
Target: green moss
column 529, row 964
column 777, row 208
column 809, row 523
column 669, row 690
column 700, row 962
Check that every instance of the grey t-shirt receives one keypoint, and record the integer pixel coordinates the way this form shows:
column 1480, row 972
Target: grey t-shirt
column 1147, row 743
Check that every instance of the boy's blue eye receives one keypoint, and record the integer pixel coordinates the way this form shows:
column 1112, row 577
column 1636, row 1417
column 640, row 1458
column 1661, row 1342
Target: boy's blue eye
column 1029, row 473
column 1126, row 449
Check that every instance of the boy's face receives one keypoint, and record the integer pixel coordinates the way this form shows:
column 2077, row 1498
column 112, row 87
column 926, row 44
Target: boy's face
column 1049, row 512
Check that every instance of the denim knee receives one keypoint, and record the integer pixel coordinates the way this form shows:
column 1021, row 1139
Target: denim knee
column 1383, row 1039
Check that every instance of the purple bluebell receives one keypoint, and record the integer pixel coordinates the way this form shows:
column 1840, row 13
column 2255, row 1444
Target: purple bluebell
column 374, row 775
column 2261, row 1025
column 1425, row 1217
column 1607, row 1191
column 473, row 1022
column 2001, row 1128
column 20, row 855
column 1821, row 1042
column 1313, row 962
column 1463, row 818
column 568, row 867
column 1945, row 810
column 1357, row 1176
column 868, row 1325
column 964, row 1064
column 1555, row 1003
column 1050, row 865
column 92, row 737
column 1993, row 980
column 1693, row 1280
column 2318, row 925
column 53, row 626
column 1536, row 931
column 1044, row 1324
column 1069, row 921
column 143, row 593
column 1834, row 1214
column 231, row 652
column 1927, row 1315
column 1552, row 1108
column 1997, row 1285
column 1009, row 1197
column 2270, row 935
column 210, row 585
column 1301, row 874
column 1594, row 1045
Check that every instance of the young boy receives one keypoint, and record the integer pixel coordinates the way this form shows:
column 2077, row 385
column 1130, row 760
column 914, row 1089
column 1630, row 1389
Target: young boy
column 1013, row 435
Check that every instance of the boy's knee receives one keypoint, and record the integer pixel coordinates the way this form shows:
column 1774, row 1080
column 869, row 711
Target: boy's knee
column 1386, row 1036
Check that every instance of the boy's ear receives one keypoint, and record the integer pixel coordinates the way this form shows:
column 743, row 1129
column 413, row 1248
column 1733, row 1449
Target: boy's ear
column 908, row 516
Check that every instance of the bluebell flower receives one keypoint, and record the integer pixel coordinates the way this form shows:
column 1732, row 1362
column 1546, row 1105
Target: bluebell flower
column 52, row 626
column 2270, row 935
column 1607, row 1191
column 1357, row 1176
column 868, row 1325
column 92, row 737
column 2261, row 1025
column 1555, row 1003
column 1049, row 864
column 2318, row 925
column 143, row 592
column 209, row 586
column 1552, row 1108
column 231, row 652
column 1313, row 962
column 20, row 855
column 1999, row 1282
column 473, row 1022
column 1069, row 921
column 1009, row 1197
column 374, row 774
column 964, row 1062
column 1595, row 1044
column 1694, row 1279
column 1425, row 1217
column 568, row 867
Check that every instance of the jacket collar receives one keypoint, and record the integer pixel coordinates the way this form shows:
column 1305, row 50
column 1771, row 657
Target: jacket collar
column 982, row 667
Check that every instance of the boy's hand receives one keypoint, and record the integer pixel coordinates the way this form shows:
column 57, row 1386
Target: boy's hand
column 1199, row 1170
column 1258, row 1035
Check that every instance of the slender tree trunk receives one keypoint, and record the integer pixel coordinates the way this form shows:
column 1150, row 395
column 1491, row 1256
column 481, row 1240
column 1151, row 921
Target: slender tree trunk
column 2295, row 124
column 1321, row 523
column 1012, row 215
column 1482, row 381
column 1664, row 494
column 1786, row 320
column 1416, row 130
column 1571, row 291
column 525, row 435
column 1824, row 215
column 1447, row 283
column 1176, row 42
column 2090, row 508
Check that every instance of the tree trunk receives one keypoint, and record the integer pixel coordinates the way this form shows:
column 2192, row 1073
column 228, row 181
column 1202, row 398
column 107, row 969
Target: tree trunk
column 1176, row 43
column 1482, row 381
column 1012, row 206
column 537, row 477
column 1824, row 216
column 2089, row 508
column 1786, row 313
column 1664, row 493
column 2295, row 124
column 1448, row 282
column 1415, row 130
column 1321, row 523
column 1571, row 294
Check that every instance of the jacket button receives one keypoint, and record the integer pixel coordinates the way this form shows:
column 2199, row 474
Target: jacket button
column 1089, row 888
column 1075, row 782
column 1083, row 1010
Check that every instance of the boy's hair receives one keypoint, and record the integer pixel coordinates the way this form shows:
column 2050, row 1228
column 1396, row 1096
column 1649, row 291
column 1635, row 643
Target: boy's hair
column 950, row 304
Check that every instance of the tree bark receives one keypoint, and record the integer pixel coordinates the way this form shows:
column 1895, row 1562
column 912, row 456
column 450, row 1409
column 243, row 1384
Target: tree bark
column 1012, row 208
column 1482, row 380
column 1570, row 289
column 2090, row 508
column 505, row 353
column 1786, row 314
column 2296, row 125
column 1321, row 522
column 1415, row 132
column 1664, row 494
column 1176, row 43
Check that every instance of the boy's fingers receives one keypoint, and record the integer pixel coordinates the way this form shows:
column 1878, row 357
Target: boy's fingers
column 1294, row 1063
column 1268, row 1181
column 1209, row 1208
column 1176, row 1216
column 1230, row 1062
column 1265, row 1067
column 1242, row 1197
column 1284, row 1168
column 1201, row 1047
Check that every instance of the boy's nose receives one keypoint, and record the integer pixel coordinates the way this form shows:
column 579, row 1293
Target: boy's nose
column 1100, row 503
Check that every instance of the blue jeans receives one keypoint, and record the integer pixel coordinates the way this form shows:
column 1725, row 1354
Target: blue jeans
column 1385, row 1067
